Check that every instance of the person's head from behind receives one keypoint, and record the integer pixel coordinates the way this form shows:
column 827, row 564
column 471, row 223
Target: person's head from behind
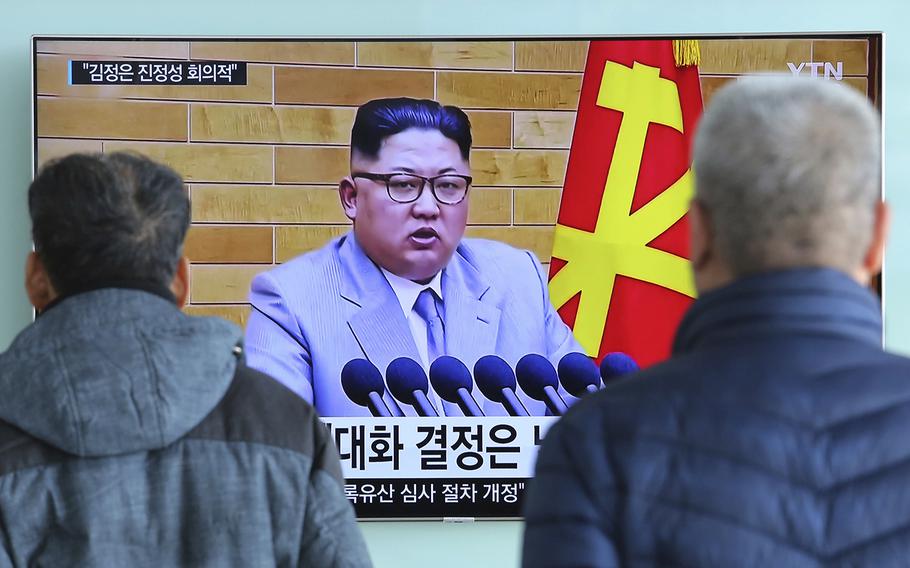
column 407, row 190
column 787, row 175
column 106, row 220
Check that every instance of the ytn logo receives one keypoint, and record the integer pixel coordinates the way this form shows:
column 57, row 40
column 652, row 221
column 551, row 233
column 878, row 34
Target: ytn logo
column 835, row 70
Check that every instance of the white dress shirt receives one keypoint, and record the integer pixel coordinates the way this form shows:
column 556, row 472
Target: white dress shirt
column 407, row 291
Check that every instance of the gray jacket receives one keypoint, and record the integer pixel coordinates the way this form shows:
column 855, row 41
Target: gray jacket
column 130, row 435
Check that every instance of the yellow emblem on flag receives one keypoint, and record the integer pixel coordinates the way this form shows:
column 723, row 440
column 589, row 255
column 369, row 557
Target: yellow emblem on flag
column 618, row 245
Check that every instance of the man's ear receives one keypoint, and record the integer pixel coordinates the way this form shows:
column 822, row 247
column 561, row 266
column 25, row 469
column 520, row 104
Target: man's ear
column 38, row 285
column 180, row 285
column 875, row 254
column 347, row 192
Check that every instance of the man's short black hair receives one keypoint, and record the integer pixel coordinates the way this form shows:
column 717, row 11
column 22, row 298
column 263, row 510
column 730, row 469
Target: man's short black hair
column 380, row 118
column 102, row 218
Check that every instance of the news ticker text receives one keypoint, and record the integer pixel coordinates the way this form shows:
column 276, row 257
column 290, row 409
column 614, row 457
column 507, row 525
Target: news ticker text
column 436, row 498
column 223, row 73
column 444, row 447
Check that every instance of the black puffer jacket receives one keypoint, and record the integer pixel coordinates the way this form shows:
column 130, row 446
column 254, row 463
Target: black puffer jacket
column 778, row 435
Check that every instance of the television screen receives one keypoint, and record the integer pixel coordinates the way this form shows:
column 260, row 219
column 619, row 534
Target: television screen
column 520, row 211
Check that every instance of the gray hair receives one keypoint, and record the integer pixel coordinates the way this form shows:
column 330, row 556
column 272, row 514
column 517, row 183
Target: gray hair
column 789, row 170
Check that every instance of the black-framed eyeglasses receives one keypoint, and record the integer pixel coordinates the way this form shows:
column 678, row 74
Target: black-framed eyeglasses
column 449, row 189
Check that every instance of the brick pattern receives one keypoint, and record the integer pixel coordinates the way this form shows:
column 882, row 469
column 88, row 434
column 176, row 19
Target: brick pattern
column 437, row 54
column 125, row 120
column 262, row 160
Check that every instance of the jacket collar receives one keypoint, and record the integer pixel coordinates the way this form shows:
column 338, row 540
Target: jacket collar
column 159, row 290
column 802, row 301
column 471, row 315
column 363, row 278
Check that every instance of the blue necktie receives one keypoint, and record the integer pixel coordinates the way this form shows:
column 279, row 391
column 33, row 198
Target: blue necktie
column 426, row 309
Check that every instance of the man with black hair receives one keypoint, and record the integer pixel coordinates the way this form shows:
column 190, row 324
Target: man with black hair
column 404, row 282
column 132, row 434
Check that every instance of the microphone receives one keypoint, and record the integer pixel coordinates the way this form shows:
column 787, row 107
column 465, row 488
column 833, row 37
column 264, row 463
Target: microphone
column 497, row 382
column 408, row 383
column 578, row 374
column 538, row 379
column 362, row 382
column 616, row 365
column 452, row 381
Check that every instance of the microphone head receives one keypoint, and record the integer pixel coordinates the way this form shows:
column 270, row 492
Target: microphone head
column 448, row 374
column 577, row 372
column 616, row 365
column 492, row 375
column 535, row 372
column 404, row 376
column 359, row 378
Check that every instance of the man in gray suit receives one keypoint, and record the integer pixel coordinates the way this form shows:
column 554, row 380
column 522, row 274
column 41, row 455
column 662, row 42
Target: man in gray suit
column 404, row 282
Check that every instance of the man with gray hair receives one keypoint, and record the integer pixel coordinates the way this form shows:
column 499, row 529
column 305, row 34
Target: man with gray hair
column 776, row 435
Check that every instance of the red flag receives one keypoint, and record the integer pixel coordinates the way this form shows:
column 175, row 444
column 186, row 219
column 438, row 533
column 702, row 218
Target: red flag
column 619, row 275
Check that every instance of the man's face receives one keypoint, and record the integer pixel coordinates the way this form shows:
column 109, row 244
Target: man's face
column 412, row 240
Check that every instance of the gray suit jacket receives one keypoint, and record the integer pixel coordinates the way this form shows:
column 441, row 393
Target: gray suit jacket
column 317, row 312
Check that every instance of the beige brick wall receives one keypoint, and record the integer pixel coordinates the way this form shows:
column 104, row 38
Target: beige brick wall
column 262, row 160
